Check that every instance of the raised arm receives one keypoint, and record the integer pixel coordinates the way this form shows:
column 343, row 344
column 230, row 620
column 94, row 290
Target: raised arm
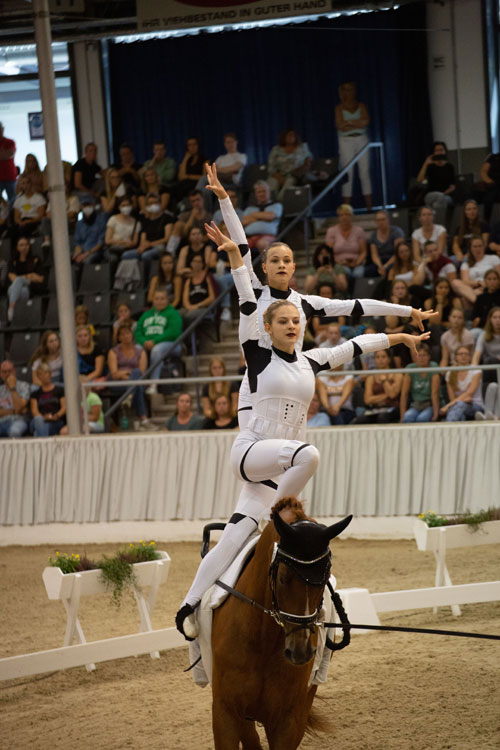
column 314, row 305
column 232, row 222
column 328, row 358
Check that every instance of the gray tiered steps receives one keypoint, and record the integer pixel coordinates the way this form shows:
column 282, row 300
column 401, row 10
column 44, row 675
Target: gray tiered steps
column 228, row 347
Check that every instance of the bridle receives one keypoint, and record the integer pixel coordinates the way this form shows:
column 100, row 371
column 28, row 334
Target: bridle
column 300, row 568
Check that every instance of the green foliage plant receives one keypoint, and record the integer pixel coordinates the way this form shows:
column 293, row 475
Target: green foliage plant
column 473, row 520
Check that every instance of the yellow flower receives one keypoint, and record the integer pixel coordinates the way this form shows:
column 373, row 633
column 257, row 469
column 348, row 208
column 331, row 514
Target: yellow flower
column 140, row 541
column 152, row 543
column 130, row 545
column 77, row 557
column 57, row 553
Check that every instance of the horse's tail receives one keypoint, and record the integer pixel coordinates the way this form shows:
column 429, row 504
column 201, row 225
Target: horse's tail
column 318, row 721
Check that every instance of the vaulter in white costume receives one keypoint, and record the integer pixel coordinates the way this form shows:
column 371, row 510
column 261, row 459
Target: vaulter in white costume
column 271, row 451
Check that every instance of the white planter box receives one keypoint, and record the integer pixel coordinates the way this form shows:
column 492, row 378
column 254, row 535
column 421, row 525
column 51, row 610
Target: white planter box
column 60, row 585
column 432, row 539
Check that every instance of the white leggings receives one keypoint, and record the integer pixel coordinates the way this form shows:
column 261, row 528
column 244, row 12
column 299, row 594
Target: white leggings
column 259, row 460
column 349, row 146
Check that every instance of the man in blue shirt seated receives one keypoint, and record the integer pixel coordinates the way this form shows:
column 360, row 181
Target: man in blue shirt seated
column 261, row 219
column 89, row 235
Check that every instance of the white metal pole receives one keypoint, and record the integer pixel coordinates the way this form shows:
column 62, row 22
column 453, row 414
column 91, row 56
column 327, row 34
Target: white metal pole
column 57, row 196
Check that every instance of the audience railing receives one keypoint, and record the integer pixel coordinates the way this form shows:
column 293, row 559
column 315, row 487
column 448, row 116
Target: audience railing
column 304, row 215
column 197, row 381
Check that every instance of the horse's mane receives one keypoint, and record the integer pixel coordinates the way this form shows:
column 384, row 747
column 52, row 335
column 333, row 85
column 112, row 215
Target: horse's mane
column 290, row 503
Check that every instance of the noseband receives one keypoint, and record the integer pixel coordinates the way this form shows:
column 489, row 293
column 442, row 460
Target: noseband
column 302, row 569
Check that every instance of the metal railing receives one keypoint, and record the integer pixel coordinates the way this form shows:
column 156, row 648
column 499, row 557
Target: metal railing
column 131, row 384
column 304, row 216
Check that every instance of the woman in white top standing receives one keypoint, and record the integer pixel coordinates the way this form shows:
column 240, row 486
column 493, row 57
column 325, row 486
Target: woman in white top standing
column 351, row 121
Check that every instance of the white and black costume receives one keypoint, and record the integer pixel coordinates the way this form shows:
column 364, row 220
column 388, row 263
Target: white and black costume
column 271, row 454
column 308, row 305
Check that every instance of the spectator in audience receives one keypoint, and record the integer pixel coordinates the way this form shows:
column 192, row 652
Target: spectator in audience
column 439, row 175
column 122, row 230
column 184, row 417
column 29, row 209
column 66, row 167
column 197, row 245
column 85, row 172
column 488, row 344
column 349, row 243
column 90, row 356
column 191, row 169
column 352, row 120
column 115, row 188
column 427, row 232
column 123, row 315
column 261, row 219
column 150, row 184
column 382, row 393
column 231, row 164
column 384, row 241
column 336, row 395
column 128, row 361
column 421, row 388
column 400, row 293
column 33, row 172
column 233, row 196
column 197, row 217
column 224, row 417
column 325, row 270
column 8, row 170
column 156, row 229
column 367, row 359
column 14, row 396
column 47, row 404
column 128, row 169
column 49, row 352
column 288, row 162
column 72, row 211
column 82, row 318
column 318, row 325
column 494, row 239
column 93, row 404
column 89, row 236
column 156, row 329
column 488, row 299
column 472, row 271
column 332, row 336
column 25, row 274
column 489, row 175
column 168, row 279
column 315, row 417
column 198, row 291
column 443, row 301
column 437, row 265
column 456, row 336
column 470, row 226
column 211, row 391
column 403, row 266
column 464, row 390
column 4, row 214
column 163, row 165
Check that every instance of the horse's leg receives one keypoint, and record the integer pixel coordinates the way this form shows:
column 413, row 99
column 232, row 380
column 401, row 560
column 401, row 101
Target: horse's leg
column 226, row 727
column 249, row 737
column 287, row 733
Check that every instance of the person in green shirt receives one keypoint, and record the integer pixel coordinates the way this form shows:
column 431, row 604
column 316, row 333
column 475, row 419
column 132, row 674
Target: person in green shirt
column 163, row 165
column 422, row 388
column 155, row 329
column 185, row 418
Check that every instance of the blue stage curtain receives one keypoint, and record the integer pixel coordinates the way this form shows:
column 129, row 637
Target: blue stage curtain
column 259, row 82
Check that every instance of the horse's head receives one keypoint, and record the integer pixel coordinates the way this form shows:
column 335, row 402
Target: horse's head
column 299, row 570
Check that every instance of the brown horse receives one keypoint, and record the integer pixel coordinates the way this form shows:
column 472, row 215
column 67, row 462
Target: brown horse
column 262, row 663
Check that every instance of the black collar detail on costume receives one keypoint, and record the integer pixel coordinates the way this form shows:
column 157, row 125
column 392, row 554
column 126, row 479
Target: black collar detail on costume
column 279, row 293
column 284, row 355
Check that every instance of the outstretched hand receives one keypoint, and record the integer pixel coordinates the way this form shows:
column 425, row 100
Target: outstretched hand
column 418, row 316
column 214, row 183
column 220, row 239
column 412, row 341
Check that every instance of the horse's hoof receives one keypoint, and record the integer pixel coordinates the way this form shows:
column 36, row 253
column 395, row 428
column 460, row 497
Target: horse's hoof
column 185, row 622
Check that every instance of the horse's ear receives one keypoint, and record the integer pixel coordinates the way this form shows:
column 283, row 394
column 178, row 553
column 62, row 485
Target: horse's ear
column 282, row 527
column 338, row 528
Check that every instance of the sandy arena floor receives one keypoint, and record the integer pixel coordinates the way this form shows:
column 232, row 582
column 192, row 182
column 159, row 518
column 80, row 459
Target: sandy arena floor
column 385, row 692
